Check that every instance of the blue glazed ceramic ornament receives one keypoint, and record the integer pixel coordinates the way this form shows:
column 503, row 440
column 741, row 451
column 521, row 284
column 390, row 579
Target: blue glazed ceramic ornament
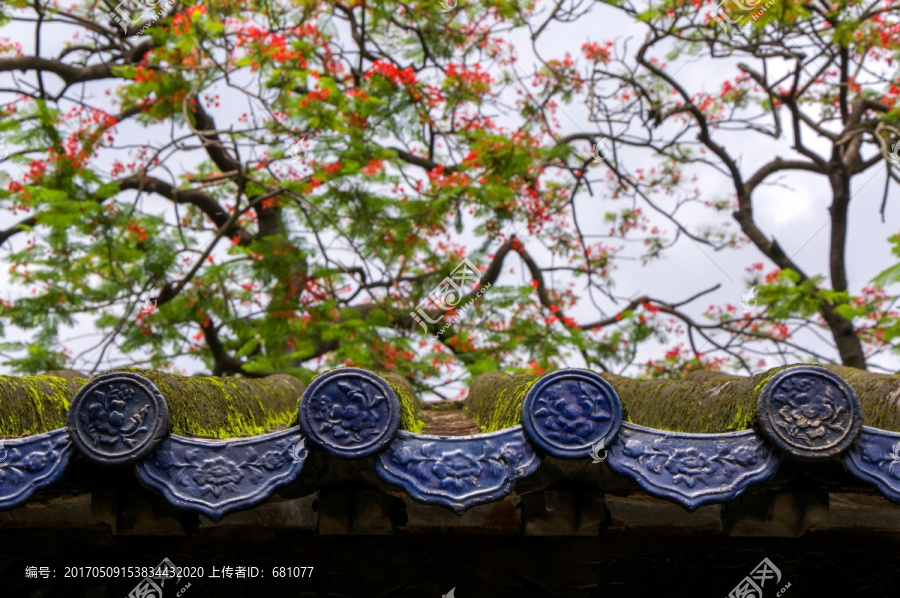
column 569, row 412
column 216, row 477
column 350, row 413
column 692, row 469
column 28, row 464
column 117, row 418
column 458, row 472
column 875, row 458
column 809, row 412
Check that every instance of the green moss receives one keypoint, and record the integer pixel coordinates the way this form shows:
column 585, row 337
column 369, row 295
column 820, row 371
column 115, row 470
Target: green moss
column 879, row 396
column 710, row 404
column 411, row 406
column 35, row 404
column 495, row 400
column 226, row 407
column 230, row 407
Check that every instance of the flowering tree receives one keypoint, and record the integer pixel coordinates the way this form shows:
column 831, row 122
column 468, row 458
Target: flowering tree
column 818, row 77
column 281, row 186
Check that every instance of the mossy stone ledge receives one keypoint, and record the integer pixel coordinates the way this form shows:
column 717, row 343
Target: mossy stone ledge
column 495, row 400
column 35, row 404
column 205, row 406
column 715, row 402
column 202, row 406
column 705, row 402
column 212, row 407
column 411, row 405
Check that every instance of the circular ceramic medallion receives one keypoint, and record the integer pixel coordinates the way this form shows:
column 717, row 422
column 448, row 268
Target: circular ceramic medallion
column 809, row 412
column 349, row 412
column 118, row 418
column 572, row 413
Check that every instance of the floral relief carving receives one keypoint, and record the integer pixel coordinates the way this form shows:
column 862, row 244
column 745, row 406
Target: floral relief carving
column 810, row 410
column 692, row 469
column 571, row 411
column 217, row 474
column 690, row 465
column 216, row 477
column 118, row 418
column 350, row 415
column 349, row 412
column 455, row 466
column 31, row 463
column 107, row 421
column 457, row 472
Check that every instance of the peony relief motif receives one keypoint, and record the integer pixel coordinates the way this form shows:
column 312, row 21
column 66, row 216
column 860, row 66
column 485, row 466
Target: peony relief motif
column 810, row 411
column 107, row 420
column 690, row 465
column 27, row 464
column 570, row 412
column 220, row 474
column 457, row 472
column 351, row 415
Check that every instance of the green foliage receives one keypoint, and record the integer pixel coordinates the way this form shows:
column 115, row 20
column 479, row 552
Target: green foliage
column 184, row 233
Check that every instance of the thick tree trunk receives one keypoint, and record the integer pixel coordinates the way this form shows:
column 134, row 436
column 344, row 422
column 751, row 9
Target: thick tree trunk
column 845, row 337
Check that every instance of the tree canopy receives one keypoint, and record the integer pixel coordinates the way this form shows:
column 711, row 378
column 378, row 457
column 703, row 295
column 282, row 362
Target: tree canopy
column 259, row 187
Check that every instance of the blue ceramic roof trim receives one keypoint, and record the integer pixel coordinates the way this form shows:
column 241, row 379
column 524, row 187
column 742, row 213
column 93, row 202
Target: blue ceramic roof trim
column 350, row 413
column 216, row 477
column 28, row 464
column 458, row 472
column 568, row 412
column 805, row 412
column 875, row 458
column 692, row 469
